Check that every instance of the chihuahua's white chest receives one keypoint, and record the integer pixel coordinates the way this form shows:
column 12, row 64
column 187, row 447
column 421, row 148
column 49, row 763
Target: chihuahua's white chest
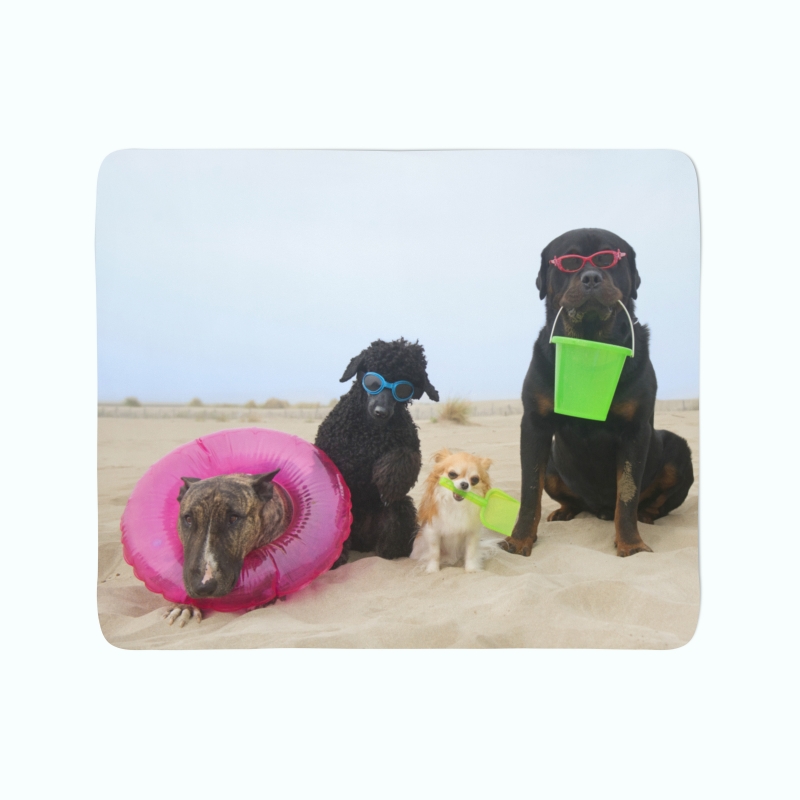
column 452, row 534
column 455, row 517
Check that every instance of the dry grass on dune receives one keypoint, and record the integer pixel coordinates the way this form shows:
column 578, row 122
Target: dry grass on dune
column 455, row 410
column 274, row 402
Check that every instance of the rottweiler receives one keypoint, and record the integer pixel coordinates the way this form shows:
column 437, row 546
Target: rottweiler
column 620, row 469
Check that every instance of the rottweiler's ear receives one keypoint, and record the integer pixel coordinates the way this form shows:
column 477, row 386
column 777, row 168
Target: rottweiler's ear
column 427, row 388
column 541, row 280
column 263, row 484
column 634, row 273
column 354, row 366
column 187, row 482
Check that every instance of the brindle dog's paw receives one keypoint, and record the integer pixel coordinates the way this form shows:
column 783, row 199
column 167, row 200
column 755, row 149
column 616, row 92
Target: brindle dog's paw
column 624, row 550
column 648, row 519
column 518, row 547
column 182, row 613
column 563, row 514
column 269, row 603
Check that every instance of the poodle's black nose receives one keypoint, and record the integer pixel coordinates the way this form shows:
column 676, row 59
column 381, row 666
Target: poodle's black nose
column 381, row 407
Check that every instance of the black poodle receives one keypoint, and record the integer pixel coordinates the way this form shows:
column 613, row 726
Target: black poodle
column 370, row 436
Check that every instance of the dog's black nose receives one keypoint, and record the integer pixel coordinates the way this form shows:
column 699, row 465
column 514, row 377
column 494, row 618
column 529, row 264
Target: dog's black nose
column 591, row 278
column 380, row 412
column 206, row 589
column 464, row 485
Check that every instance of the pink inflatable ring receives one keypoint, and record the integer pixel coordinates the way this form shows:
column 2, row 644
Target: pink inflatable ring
column 320, row 523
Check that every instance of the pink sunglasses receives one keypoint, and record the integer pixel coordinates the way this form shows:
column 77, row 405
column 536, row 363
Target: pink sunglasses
column 604, row 259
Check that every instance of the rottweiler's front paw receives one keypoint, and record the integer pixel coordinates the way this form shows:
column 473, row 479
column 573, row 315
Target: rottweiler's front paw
column 624, row 550
column 518, row 547
column 182, row 614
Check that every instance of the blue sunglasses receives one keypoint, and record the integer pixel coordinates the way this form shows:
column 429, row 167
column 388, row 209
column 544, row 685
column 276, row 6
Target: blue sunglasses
column 402, row 391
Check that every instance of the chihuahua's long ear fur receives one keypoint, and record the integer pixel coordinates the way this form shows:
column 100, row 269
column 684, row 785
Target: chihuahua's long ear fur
column 354, row 366
column 485, row 463
column 440, row 455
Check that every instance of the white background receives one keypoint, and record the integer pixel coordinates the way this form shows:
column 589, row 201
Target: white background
column 717, row 716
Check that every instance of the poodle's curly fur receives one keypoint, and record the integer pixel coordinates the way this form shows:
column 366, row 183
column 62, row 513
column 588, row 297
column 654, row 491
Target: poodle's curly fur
column 380, row 460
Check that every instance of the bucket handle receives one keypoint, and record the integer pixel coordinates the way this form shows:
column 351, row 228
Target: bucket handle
column 633, row 335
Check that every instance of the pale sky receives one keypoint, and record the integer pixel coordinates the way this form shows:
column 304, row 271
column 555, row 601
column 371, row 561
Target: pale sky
column 238, row 275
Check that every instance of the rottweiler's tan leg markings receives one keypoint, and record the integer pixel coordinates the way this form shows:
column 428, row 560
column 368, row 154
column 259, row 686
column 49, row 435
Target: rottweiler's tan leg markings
column 629, row 476
column 524, row 536
column 544, row 404
column 626, row 409
column 571, row 504
column 654, row 497
column 535, row 444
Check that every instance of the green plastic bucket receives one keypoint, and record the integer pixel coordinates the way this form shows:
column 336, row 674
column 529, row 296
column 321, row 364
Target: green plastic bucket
column 587, row 374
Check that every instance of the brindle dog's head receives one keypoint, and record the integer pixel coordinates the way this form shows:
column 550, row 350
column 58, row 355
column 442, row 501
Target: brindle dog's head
column 221, row 520
column 589, row 296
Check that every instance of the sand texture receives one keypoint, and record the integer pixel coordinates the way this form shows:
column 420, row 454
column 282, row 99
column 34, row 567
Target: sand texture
column 573, row 591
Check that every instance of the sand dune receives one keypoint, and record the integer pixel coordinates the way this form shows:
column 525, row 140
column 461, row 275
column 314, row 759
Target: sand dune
column 572, row 592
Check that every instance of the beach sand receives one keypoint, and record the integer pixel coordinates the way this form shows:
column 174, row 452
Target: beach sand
column 573, row 591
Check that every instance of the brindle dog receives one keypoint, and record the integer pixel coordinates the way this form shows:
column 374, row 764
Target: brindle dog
column 585, row 465
column 221, row 520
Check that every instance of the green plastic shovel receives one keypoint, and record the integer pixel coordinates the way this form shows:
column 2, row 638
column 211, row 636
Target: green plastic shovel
column 498, row 510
